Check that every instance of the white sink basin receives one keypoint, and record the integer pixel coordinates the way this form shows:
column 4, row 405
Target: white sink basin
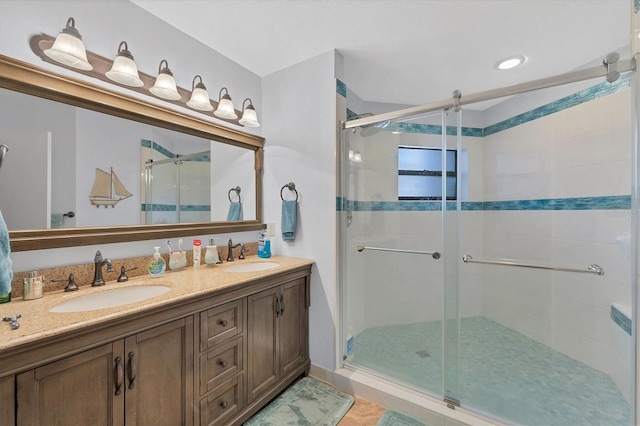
column 110, row 298
column 251, row 267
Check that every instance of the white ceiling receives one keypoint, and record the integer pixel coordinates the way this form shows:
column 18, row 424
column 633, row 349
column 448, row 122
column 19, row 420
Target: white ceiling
column 408, row 52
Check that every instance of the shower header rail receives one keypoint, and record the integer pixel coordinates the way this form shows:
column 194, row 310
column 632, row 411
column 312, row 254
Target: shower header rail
column 611, row 68
column 435, row 254
column 591, row 269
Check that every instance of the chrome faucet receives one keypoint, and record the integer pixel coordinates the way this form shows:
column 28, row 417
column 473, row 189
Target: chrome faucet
column 230, row 248
column 99, row 262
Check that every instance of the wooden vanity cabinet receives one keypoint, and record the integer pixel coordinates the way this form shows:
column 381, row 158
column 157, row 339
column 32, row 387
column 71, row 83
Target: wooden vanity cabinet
column 210, row 360
column 277, row 335
column 114, row 384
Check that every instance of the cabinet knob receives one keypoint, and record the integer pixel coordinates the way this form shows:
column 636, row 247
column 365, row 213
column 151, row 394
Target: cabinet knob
column 222, row 363
column 223, row 322
column 223, row 404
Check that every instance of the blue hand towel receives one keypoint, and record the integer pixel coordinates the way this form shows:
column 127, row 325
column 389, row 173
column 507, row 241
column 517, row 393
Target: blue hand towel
column 289, row 219
column 235, row 211
column 6, row 274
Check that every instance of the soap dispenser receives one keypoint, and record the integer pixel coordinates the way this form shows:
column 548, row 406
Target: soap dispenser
column 157, row 265
column 211, row 254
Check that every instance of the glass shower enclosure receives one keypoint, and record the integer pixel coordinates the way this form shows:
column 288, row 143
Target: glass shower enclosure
column 492, row 267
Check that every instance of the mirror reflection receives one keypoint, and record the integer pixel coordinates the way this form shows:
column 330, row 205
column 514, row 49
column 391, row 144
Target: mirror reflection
column 72, row 167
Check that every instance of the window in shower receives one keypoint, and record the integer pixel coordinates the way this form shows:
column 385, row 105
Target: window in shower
column 420, row 173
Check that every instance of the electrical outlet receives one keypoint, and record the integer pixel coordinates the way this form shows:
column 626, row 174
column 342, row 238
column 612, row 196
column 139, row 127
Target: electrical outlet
column 271, row 229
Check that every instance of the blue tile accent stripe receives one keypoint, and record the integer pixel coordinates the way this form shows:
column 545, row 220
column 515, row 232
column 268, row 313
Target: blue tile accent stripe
column 145, row 207
column 620, row 202
column 616, row 202
column 341, row 88
column 578, row 98
column 621, row 319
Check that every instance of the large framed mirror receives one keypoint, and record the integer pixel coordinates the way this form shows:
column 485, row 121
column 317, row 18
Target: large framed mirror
column 87, row 165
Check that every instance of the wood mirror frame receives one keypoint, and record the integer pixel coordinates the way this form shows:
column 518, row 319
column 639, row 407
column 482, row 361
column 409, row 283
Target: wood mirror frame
column 27, row 78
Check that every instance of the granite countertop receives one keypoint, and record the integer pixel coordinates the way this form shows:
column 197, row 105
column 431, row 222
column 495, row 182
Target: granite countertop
column 37, row 322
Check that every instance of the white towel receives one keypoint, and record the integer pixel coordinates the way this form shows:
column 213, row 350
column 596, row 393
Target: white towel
column 6, row 274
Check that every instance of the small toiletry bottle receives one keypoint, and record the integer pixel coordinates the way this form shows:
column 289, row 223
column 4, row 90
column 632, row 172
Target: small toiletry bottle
column 196, row 253
column 211, row 254
column 264, row 245
column 157, row 265
column 32, row 286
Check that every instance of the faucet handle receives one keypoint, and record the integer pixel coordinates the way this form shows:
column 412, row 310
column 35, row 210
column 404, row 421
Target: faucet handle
column 242, row 251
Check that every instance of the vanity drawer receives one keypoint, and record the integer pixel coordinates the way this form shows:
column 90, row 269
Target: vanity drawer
column 220, row 364
column 223, row 404
column 220, row 323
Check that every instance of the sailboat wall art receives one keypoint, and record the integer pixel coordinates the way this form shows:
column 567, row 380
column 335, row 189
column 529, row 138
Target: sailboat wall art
column 108, row 190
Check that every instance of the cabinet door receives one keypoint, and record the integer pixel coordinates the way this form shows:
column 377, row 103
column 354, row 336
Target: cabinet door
column 262, row 340
column 78, row 390
column 159, row 375
column 8, row 401
column 293, row 326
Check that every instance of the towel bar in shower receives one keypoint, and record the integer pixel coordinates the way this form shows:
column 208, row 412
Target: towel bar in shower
column 591, row 269
column 434, row 254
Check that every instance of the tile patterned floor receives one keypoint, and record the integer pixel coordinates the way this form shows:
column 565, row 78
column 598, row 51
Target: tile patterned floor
column 362, row 413
column 502, row 372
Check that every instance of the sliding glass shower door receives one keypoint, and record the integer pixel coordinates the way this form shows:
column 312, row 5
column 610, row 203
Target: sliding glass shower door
column 396, row 180
column 545, row 282
column 524, row 314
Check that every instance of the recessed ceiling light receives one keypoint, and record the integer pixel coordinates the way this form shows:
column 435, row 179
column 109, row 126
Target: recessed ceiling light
column 510, row 62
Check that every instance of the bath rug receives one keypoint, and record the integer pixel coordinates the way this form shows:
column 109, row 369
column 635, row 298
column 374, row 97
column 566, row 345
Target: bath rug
column 393, row 418
column 307, row 402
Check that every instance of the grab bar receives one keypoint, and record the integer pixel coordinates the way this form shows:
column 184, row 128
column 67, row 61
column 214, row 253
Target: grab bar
column 591, row 269
column 434, row 254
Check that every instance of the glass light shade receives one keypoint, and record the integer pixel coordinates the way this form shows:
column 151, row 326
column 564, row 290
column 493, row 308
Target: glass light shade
column 68, row 49
column 199, row 96
column 225, row 106
column 200, row 100
column 165, row 85
column 124, row 71
column 249, row 117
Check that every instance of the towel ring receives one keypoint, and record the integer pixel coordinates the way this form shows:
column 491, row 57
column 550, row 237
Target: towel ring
column 237, row 191
column 291, row 187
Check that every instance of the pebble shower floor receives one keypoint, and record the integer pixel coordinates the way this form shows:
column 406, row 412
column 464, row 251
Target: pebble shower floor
column 502, row 373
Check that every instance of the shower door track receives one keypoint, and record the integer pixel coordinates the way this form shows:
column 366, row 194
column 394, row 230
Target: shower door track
column 610, row 70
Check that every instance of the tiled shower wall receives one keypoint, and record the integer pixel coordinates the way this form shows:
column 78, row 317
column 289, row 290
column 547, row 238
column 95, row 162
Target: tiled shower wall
column 583, row 151
column 560, row 153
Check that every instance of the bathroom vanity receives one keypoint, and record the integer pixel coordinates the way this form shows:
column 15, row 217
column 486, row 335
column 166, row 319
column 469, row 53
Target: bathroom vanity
column 214, row 349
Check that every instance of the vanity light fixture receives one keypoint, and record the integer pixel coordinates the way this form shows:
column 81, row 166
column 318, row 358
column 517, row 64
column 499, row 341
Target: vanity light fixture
column 225, row 106
column 124, row 69
column 199, row 96
column 68, row 49
column 510, row 63
column 249, row 116
column 165, row 85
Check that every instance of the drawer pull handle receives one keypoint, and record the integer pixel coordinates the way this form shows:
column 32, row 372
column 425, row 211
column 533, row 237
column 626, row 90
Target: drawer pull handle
column 224, row 404
column 222, row 363
column 223, row 322
column 119, row 375
column 133, row 370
